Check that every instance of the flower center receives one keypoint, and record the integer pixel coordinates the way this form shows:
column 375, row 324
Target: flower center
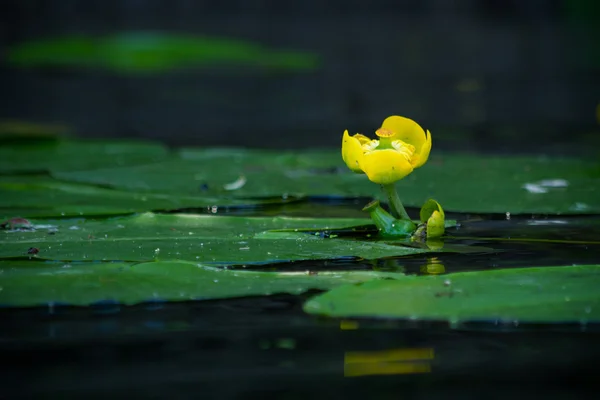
column 385, row 142
column 370, row 145
column 385, row 138
column 384, row 133
column 407, row 150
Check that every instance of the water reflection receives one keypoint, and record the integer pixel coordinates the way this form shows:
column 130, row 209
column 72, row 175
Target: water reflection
column 388, row 362
column 394, row 361
column 434, row 244
column 434, row 266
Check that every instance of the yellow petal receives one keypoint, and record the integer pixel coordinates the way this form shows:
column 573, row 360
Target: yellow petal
column 405, row 129
column 385, row 166
column 361, row 138
column 352, row 151
column 420, row 157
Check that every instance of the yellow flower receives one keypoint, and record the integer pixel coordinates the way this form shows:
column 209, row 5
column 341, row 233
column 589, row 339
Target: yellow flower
column 402, row 146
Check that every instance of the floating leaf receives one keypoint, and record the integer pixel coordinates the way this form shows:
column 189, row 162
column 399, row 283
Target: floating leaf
column 546, row 294
column 218, row 240
column 27, row 283
column 35, row 196
column 469, row 183
column 77, row 155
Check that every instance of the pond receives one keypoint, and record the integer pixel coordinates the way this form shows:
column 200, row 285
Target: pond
column 256, row 274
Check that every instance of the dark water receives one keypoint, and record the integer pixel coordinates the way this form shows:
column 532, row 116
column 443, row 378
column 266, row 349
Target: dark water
column 266, row 347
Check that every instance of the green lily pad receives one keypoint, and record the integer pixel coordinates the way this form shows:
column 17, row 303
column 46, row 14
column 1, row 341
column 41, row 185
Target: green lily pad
column 39, row 196
column 218, row 240
column 461, row 182
column 546, row 294
column 77, row 155
column 26, row 283
column 218, row 173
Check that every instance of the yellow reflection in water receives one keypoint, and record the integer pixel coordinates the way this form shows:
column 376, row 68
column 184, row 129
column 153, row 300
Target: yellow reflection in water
column 347, row 325
column 434, row 266
column 388, row 362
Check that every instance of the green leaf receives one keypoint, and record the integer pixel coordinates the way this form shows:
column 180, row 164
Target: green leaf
column 77, row 155
column 544, row 294
column 153, row 52
column 216, row 170
column 26, row 283
column 38, row 196
column 461, row 182
column 218, row 240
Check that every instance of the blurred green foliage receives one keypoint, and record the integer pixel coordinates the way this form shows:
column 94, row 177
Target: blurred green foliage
column 154, row 52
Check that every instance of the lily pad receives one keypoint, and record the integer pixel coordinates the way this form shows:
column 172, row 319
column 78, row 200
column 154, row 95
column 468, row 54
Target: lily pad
column 543, row 294
column 27, row 283
column 77, row 155
column 39, row 196
column 461, row 182
column 218, row 240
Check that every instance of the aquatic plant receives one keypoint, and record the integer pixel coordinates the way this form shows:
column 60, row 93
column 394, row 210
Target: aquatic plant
column 401, row 147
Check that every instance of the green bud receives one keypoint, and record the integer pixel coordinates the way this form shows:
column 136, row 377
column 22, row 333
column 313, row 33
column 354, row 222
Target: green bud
column 433, row 216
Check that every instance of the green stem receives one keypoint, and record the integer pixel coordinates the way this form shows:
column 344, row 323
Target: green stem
column 389, row 226
column 396, row 206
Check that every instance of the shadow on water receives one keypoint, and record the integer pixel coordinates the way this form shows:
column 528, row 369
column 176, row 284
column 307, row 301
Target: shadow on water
column 267, row 347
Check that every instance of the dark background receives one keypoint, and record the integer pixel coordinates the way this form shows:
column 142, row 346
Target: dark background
column 482, row 75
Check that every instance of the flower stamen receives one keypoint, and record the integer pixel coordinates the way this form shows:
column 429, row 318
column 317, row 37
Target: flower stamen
column 407, row 150
column 371, row 145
